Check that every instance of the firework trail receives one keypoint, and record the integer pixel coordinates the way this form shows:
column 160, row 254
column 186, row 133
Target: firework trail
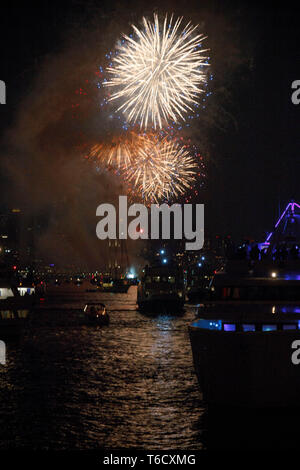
column 158, row 73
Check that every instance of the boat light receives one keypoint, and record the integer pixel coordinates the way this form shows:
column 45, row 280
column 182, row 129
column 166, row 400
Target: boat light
column 291, row 326
column 273, row 274
column 269, row 327
column 249, row 327
column 229, row 327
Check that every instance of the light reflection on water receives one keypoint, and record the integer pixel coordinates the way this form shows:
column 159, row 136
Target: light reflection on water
column 131, row 384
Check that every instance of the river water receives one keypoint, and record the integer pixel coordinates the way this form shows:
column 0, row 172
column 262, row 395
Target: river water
column 128, row 385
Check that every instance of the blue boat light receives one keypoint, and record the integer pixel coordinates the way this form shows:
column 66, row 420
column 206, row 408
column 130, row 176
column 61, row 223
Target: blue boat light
column 269, row 327
column 249, row 327
column 229, row 327
column 291, row 326
column 208, row 324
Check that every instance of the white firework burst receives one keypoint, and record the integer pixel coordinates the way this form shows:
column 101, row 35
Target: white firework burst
column 157, row 75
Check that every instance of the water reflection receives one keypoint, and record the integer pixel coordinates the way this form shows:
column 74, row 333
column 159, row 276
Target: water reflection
column 131, row 384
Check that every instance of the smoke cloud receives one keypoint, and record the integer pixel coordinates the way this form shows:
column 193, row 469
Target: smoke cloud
column 60, row 118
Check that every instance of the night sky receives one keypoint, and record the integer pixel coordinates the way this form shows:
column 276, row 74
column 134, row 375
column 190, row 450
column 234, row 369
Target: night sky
column 254, row 162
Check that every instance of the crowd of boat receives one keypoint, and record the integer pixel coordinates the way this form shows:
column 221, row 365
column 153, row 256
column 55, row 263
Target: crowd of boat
column 246, row 332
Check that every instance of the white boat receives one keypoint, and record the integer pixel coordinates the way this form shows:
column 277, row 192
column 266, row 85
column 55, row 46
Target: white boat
column 246, row 339
column 243, row 353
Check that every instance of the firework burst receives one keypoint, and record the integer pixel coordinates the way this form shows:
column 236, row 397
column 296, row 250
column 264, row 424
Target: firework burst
column 158, row 73
column 154, row 167
column 160, row 168
column 117, row 154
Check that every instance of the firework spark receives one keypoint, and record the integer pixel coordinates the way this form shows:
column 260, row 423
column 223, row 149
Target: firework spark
column 155, row 168
column 158, row 73
column 117, row 154
column 160, row 168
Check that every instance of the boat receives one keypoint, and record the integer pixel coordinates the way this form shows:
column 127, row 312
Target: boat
column 16, row 301
column 120, row 286
column 161, row 289
column 15, row 306
column 246, row 337
column 15, row 293
column 96, row 314
column 198, row 282
column 116, row 286
column 106, row 284
column 12, row 321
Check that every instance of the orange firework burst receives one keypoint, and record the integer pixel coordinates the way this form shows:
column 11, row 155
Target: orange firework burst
column 155, row 167
column 116, row 154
